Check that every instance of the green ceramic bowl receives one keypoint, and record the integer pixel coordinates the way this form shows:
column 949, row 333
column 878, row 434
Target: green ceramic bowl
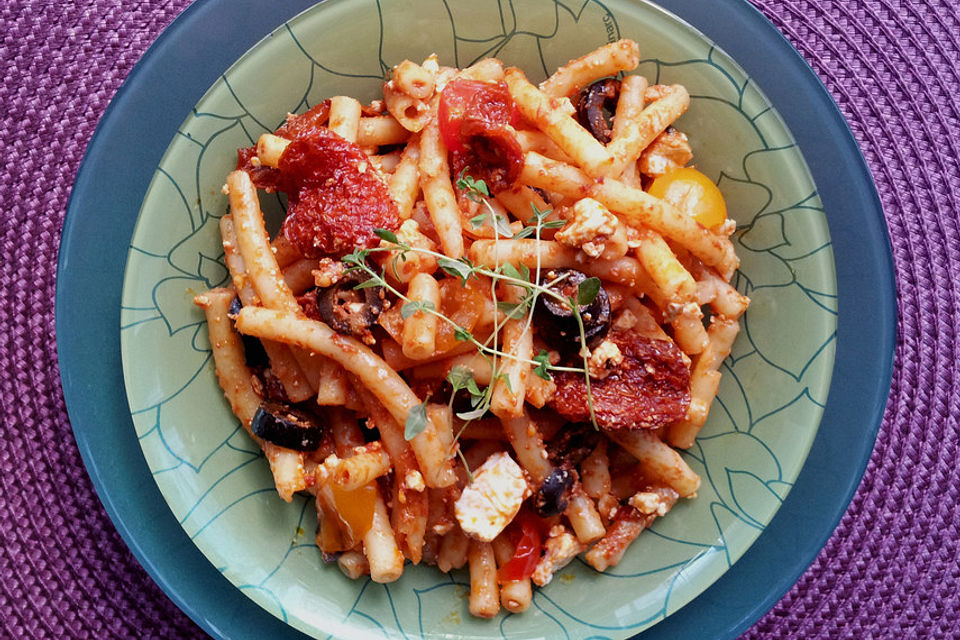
column 761, row 426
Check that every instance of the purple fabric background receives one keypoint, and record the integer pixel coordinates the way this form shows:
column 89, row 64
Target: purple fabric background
column 889, row 571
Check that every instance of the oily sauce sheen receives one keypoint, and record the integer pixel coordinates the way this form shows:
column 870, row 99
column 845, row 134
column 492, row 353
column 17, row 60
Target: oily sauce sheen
column 649, row 389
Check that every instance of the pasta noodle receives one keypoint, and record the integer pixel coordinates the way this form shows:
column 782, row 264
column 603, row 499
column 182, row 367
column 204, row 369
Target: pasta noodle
column 478, row 340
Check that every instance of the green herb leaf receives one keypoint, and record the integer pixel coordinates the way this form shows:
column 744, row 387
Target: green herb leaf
column 480, row 399
column 461, row 334
column 513, row 310
column 372, row 281
column 526, row 232
column 474, row 189
column 462, row 268
column 461, row 377
column 474, row 389
column 553, row 224
column 479, row 412
column 358, row 258
column 414, row 306
column 543, row 361
column 538, row 214
column 511, row 271
column 458, row 377
column 386, row 234
column 416, row 421
column 502, row 226
column 477, row 221
column 587, row 291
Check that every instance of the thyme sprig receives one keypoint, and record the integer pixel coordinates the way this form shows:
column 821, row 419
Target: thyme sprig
column 461, row 378
column 356, row 260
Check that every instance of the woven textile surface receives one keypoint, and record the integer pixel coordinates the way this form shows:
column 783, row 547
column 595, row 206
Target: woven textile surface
column 891, row 568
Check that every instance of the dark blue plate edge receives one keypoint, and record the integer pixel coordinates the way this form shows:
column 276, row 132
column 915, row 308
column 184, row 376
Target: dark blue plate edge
column 88, row 294
column 89, row 278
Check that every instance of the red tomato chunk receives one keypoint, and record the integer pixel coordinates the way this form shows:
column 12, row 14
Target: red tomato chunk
column 476, row 123
column 527, row 541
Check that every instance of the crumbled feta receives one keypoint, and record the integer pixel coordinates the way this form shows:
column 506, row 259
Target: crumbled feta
column 408, row 233
column 727, row 227
column 604, row 359
column 488, row 504
column 413, row 480
column 634, row 239
column 431, row 63
column 670, row 150
column 649, row 503
column 559, row 549
column 624, row 321
column 675, row 309
column 589, row 230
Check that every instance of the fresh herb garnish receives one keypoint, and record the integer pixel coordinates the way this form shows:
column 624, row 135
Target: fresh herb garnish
column 416, row 421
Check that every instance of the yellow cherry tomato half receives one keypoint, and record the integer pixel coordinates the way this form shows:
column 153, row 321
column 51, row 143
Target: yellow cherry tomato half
column 355, row 509
column 693, row 193
column 345, row 516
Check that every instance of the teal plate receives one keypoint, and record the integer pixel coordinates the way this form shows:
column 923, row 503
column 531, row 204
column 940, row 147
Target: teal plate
column 749, row 455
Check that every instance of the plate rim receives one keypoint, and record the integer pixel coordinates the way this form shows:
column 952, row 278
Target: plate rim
column 120, row 507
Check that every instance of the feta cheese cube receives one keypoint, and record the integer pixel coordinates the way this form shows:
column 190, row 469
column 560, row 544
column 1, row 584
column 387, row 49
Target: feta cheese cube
column 488, row 504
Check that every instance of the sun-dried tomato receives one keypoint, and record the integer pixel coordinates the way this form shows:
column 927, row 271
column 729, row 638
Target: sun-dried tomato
column 262, row 177
column 304, row 124
column 336, row 196
column 649, row 389
column 308, row 302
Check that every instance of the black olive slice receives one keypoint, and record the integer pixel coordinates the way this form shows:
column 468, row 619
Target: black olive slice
column 269, row 387
column 287, row 427
column 253, row 353
column 551, row 497
column 596, row 103
column 572, row 445
column 349, row 310
column 555, row 320
column 235, row 306
column 542, row 193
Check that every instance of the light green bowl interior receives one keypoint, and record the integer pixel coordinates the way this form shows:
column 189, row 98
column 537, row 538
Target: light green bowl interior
column 761, row 426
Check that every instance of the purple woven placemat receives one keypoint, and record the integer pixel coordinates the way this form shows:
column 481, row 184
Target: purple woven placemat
column 889, row 571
